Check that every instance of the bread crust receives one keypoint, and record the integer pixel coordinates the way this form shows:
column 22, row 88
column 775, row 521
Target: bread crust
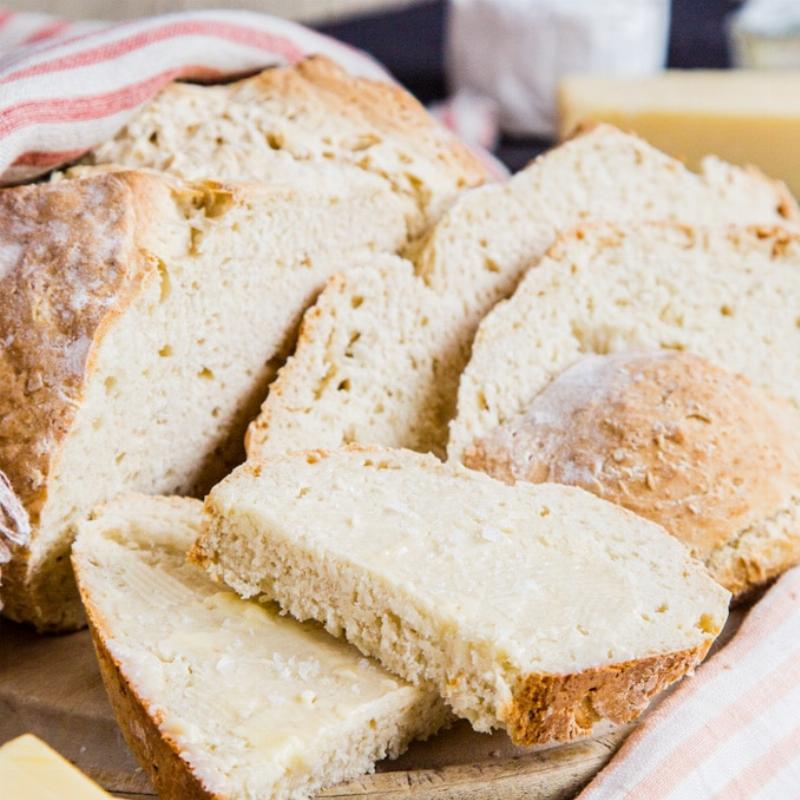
column 547, row 708
column 62, row 285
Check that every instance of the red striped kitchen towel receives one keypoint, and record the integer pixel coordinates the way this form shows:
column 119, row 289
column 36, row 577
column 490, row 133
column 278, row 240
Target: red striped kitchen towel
column 66, row 86
column 732, row 732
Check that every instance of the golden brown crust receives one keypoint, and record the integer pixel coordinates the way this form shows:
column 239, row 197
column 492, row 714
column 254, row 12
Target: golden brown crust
column 559, row 708
column 158, row 754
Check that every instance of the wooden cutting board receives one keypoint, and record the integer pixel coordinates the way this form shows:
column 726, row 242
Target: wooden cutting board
column 50, row 686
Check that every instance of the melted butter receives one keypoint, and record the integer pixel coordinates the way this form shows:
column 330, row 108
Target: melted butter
column 220, row 662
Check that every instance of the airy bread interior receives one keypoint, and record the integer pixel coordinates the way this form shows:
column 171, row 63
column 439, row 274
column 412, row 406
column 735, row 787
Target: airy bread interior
column 494, row 593
column 250, row 704
column 217, row 278
column 411, row 346
column 313, row 112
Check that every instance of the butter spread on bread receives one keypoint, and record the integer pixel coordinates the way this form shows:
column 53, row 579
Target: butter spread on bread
column 540, row 609
column 222, row 698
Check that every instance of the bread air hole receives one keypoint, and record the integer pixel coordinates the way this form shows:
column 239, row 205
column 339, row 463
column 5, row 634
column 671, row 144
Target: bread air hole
column 206, row 374
column 275, row 140
column 165, row 351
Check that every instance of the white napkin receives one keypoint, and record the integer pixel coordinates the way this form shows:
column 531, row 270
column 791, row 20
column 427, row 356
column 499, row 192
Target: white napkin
column 514, row 51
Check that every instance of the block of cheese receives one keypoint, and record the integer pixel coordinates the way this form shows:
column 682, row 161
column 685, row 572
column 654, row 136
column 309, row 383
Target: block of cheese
column 222, row 698
column 143, row 319
column 743, row 116
column 379, row 356
column 540, row 609
column 30, row 770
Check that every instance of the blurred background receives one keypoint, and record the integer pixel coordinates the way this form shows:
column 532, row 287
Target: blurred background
column 499, row 62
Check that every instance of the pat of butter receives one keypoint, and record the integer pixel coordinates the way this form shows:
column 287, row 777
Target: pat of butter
column 30, row 770
column 742, row 116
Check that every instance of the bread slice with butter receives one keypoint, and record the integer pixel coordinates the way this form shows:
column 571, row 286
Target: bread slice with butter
column 728, row 297
column 31, row 770
column 378, row 359
column 143, row 319
column 313, row 112
column 222, row 698
column 536, row 608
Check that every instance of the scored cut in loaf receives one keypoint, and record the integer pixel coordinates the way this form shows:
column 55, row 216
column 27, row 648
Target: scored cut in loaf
column 312, row 112
column 222, row 698
column 537, row 608
column 675, row 439
column 143, row 320
column 401, row 374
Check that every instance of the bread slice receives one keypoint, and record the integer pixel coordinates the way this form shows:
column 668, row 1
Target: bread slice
column 222, row 698
column 537, row 608
column 312, row 112
column 675, row 439
column 731, row 296
column 402, row 372
column 377, row 360
column 143, row 319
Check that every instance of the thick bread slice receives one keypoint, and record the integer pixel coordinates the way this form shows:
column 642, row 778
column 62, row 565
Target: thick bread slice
column 537, row 608
column 142, row 321
column 260, row 127
column 221, row 698
column 731, row 296
column 675, row 439
column 473, row 257
column 377, row 360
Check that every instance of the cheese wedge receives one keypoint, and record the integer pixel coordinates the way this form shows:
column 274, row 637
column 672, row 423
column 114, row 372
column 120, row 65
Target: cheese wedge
column 221, row 698
column 31, row 770
column 742, row 116
column 540, row 609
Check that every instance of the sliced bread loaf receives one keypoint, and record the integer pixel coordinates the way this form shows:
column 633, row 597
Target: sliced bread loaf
column 402, row 372
column 222, row 698
column 260, row 127
column 143, row 318
column 730, row 296
column 675, row 439
column 537, row 608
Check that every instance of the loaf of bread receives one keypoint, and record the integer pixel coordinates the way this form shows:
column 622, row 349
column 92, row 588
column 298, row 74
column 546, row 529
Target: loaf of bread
column 260, row 128
column 222, row 698
column 142, row 321
column 677, row 440
column 537, row 608
column 731, row 296
column 411, row 338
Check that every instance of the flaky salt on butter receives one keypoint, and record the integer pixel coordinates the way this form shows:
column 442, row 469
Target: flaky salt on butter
column 743, row 116
column 30, row 770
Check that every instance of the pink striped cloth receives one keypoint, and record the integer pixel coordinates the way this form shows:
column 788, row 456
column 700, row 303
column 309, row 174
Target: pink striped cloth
column 66, row 86
column 732, row 732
